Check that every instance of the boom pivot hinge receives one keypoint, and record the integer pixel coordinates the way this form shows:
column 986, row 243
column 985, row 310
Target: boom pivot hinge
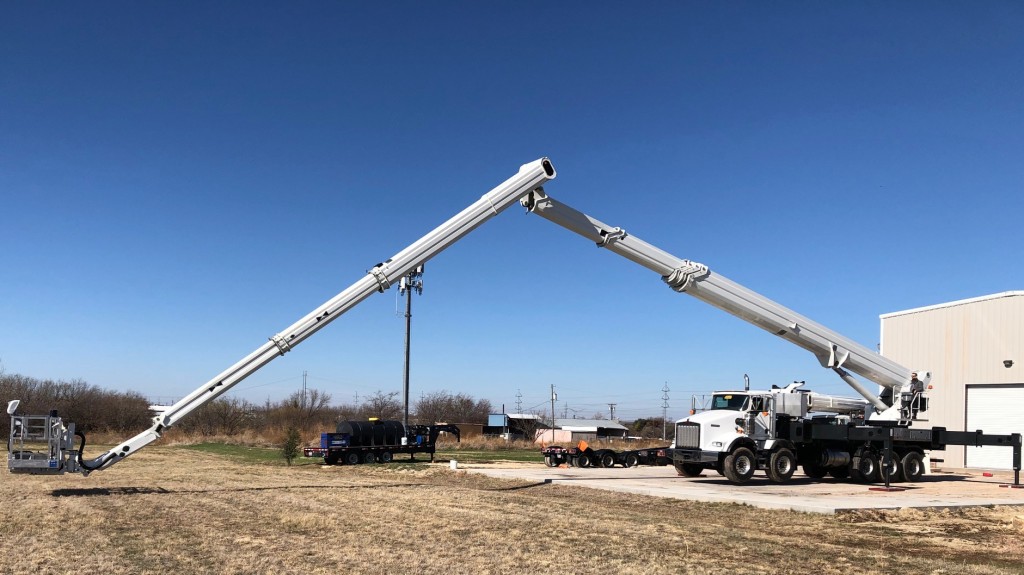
column 685, row 275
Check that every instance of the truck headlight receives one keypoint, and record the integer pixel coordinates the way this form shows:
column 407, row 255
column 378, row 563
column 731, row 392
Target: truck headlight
column 716, row 444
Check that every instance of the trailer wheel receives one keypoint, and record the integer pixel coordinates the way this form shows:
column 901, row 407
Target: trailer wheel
column 582, row 460
column 386, row 457
column 912, row 466
column 689, row 469
column 548, row 462
column 608, row 459
column 632, row 460
column 740, row 465
column 864, row 468
column 370, row 457
column 352, row 458
column 331, row 458
column 781, row 465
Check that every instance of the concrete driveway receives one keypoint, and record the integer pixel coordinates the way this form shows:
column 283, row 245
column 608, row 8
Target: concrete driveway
column 940, row 490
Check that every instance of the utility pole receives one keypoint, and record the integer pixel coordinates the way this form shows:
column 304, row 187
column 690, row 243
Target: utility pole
column 409, row 283
column 302, row 402
column 519, row 401
column 664, row 412
column 554, row 398
column 611, row 411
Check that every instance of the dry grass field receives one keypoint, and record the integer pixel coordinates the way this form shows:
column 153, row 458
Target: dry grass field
column 177, row 510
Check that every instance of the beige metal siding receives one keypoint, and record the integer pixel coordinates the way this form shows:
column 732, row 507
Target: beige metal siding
column 962, row 343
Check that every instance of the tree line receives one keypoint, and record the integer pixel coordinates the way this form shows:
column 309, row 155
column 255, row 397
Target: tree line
column 94, row 409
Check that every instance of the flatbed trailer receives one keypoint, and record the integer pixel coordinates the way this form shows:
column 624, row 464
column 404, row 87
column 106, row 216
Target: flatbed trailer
column 377, row 441
column 584, row 456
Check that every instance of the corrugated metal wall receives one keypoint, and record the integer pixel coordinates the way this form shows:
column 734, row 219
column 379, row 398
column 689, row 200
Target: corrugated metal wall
column 962, row 343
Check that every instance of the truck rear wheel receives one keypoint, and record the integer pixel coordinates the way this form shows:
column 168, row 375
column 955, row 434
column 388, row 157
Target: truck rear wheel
column 740, row 465
column 632, row 460
column 332, row 458
column 781, row 465
column 864, row 468
column 912, row 466
column 369, row 457
column 839, row 472
column 608, row 459
column 352, row 458
column 814, row 470
column 386, row 457
column 689, row 469
column 582, row 460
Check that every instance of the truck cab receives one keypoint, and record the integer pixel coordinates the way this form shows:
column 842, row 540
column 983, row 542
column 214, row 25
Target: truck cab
column 745, row 416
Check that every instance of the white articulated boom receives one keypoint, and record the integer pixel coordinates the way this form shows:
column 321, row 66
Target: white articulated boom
column 833, row 350
column 61, row 455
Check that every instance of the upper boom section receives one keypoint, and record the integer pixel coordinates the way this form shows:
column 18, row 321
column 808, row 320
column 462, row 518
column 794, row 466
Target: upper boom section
column 832, row 349
column 530, row 177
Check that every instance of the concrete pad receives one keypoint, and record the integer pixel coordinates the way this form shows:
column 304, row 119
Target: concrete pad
column 828, row 496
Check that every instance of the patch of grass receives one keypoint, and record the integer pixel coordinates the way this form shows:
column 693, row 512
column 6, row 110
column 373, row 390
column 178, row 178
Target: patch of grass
column 251, row 455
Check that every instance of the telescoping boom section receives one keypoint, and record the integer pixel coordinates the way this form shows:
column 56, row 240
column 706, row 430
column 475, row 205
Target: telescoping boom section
column 44, row 444
column 904, row 389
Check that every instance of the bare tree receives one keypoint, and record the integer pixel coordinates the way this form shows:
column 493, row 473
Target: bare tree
column 442, row 406
column 382, row 406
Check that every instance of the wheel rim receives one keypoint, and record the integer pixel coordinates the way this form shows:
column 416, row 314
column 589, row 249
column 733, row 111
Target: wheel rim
column 743, row 465
column 915, row 467
column 784, row 465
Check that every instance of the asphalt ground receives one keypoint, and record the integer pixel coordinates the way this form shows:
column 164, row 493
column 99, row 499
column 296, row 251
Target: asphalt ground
column 829, row 496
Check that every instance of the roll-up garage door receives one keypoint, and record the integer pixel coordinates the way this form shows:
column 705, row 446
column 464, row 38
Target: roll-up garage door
column 993, row 409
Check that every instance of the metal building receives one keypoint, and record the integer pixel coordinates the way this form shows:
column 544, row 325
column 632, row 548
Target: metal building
column 974, row 349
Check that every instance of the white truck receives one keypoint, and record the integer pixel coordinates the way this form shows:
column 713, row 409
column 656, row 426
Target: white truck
column 43, row 444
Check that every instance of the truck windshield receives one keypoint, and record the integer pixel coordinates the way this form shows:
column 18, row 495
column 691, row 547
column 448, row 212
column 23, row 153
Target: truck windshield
column 733, row 402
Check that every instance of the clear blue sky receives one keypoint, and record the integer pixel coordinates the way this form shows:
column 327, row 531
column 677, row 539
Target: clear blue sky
column 182, row 180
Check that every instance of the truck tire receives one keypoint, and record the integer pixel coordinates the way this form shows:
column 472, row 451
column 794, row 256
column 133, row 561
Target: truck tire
column 895, row 476
column 548, row 462
column 781, row 465
column 740, row 465
column 632, row 460
column 331, row 458
column 689, row 469
column 864, row 467
column 386, row 457
column 814, row 470
column 607, row 459
column 839, row 472
column 370, row 457
column 912, row 466
column 582, row 460
column 352, row 458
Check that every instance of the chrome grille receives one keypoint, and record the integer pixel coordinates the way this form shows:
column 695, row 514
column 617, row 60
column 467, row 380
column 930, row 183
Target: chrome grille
column 687, row 435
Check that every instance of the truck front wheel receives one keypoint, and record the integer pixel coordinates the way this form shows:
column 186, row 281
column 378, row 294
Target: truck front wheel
column 689, row 469
column 781, row 465
column 739, row 465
